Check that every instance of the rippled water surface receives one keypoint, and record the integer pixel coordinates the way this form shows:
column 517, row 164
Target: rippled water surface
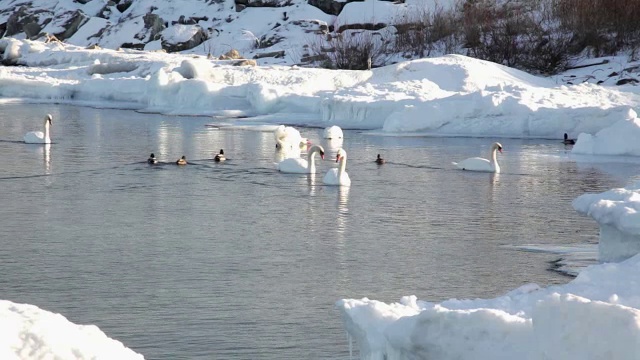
column 238, row 261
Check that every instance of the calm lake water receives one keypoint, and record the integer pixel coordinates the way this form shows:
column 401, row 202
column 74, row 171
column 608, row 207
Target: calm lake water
column 238, row 261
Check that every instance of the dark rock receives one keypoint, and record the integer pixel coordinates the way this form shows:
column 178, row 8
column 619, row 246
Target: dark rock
column 77, row 19
column 83, row 2
column 31, row 29
column 627, row 81
column 367, row 26
column 123, row 6
column 17, row 20
column 155, row 24
column 198, row 38
column 330, row 7
column 240, row 7
column 273, row 54
column 136, row 46
column 269, row 3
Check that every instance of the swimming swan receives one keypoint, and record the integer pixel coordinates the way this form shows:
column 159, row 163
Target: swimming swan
column 338, row 176
column 481, row 164
column 38, row 137
column 288, row 138
column 220, row 157
column 302, row 166
column 332, row 132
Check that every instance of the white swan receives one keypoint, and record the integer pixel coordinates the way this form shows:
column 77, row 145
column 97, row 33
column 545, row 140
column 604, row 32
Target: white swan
column 481, row 164
column 302, row 166
column 338, row 176
column 288, row 137
column 332, row 132
column 38, row 137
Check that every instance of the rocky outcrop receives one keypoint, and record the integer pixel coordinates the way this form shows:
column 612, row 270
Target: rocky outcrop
column 155, row 24
column 26, row 20
column 76, row 19
column 198, row 38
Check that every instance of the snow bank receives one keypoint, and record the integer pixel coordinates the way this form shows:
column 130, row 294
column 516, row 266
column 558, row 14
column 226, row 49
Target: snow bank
column 449, row 95
column 595, row 316
column 617, row 212
column 621, row 138
column 28, row 332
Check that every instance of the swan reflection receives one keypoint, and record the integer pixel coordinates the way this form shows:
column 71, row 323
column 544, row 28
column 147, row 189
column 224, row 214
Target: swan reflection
column 343, row 208
column 311, row 181
column 46, row 158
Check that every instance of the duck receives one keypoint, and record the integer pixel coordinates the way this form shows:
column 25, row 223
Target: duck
column 332, row 132
column 338, row 176
column 152, row 159
column 380, row 160
column 182, row 161
column 302, row 166
column 39, row 137
column 220, row 156
column 568, row 141
column 481, row 164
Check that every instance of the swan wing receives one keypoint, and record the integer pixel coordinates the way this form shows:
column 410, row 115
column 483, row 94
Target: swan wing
column 331, row 178
column 35, row 137
column 476, row 164
column 294, row 166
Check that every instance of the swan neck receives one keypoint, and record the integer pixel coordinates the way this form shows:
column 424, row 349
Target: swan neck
column 342, row 166
column 311, row 157
column 46, row 129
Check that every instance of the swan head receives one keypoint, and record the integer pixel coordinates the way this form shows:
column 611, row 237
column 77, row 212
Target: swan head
column 341, row 155
column 48, row 119
column 497, row 146
column 317, row 148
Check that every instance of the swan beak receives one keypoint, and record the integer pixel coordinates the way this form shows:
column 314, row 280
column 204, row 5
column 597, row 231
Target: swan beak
column 322, row 155
column 338, row 158
column 500, row 150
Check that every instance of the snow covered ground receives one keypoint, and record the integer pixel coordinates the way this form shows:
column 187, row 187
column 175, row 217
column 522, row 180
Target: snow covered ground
column 595, row 316
column 28, row 332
